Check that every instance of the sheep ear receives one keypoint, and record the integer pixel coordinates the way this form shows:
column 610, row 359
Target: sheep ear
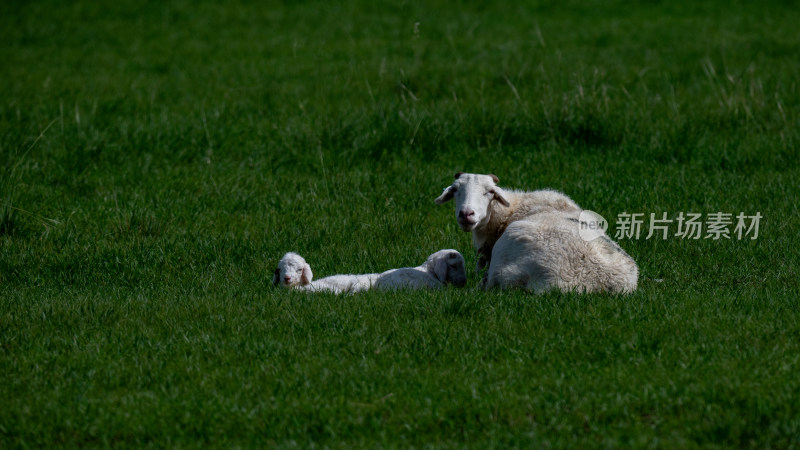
column 458, row 174
column 276, row 277
column 440, row 269
column 307, row 276
column 500, row 196
column 446, row 196
column 494, row 178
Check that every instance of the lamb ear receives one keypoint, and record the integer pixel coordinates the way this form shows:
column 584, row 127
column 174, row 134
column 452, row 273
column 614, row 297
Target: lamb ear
column 500, row 196
column 458, row 174
column 494, row 178
column 440, row 268
column 446, row 196
column 276, row 277
column 307, row 276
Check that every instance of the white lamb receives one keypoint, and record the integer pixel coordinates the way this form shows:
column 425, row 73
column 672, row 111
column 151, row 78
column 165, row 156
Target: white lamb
column 441, row 268
column 292, row 271
column 531, row 240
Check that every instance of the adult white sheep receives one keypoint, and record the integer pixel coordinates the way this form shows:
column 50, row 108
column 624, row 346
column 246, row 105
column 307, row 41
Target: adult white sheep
column 292, row 271
column 441, row 268
column 532, row 240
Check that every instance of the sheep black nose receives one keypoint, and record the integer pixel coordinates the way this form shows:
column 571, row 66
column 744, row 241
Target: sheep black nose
column 466, row 213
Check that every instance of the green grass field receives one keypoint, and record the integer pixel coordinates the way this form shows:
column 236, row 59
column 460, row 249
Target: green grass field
column 158, row 158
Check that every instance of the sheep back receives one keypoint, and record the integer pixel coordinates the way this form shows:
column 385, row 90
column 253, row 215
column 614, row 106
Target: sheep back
column 545, row 251
column 522, row 205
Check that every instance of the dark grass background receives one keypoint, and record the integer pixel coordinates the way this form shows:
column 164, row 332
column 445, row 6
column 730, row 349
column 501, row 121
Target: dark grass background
column 157, row 159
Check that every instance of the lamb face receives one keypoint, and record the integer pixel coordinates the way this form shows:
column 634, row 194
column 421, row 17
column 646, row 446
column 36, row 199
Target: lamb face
column 292, row 271
column 448, row 267
column 473, row 193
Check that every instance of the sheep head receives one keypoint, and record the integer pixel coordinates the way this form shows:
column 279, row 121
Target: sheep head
column 292, row 271
column 473, row 194
column 448, row 267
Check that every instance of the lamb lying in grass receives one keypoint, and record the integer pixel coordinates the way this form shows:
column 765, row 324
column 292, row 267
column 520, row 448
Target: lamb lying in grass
column 442, row 267
column 294, row 272
column 531, row 240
